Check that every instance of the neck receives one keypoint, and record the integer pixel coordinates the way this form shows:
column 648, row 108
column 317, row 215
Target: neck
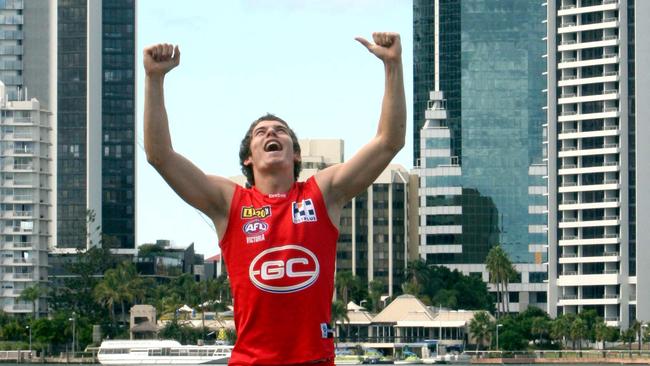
column 272, row 184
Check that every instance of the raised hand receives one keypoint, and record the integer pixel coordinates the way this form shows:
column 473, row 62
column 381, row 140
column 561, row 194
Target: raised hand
column 159, row 59
column 387, row 46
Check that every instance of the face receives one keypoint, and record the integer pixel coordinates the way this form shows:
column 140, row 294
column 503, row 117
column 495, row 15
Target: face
column 271, row 145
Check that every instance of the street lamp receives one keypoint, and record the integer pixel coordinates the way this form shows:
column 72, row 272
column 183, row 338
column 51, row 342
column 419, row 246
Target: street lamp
column 30, row 340
column 643, row 331
column 73, row 331
column 498, row 326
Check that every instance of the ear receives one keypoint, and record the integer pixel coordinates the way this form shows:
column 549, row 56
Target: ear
column 248, row 161
column 296, row 157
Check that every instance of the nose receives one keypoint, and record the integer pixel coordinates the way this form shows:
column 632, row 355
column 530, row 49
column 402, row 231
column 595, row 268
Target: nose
column 271, row 132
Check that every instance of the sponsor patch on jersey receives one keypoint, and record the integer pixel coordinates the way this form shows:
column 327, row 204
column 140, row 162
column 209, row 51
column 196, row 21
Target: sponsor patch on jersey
column 303, row 211
column 255, row 213
column 285, row 269
column 255, row 230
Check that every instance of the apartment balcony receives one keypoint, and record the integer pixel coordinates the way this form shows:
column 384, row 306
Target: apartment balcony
column 574, row 10
column 570, row 117
column 570, row 26
column 583, row 301
column 570, row 187
column 567, row 169
column 573, row 80
column 572, row 133
column 570, row 63
column 17, row 245
column 574, row 205
column 17, row 214
column 22, row 277
column 573, row 45
column 573, row 151
column 606, row 257
column 570, row 98
column 572, row 278
column 574, row 223
column 574, row 240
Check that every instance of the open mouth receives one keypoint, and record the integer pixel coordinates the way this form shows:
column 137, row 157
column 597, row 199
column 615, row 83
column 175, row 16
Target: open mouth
column 272, row 146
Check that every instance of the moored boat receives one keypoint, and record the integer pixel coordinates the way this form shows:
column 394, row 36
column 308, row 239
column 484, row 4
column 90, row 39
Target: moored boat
column 161, row 352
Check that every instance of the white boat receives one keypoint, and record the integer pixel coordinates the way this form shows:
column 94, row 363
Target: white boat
column 165, row 352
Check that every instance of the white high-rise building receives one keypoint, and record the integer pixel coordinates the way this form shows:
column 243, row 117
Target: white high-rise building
column 597, row 157
column 25, row 195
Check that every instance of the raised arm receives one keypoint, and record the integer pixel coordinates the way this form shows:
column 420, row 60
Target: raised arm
column 342, row 182
column 210, row 194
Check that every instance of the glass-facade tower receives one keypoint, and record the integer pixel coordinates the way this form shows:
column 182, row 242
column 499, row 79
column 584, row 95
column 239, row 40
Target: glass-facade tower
column 481, row 161
column 96, row 122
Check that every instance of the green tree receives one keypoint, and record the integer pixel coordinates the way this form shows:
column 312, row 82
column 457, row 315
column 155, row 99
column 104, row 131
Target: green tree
column 605, row 333
column 637, row 326
column 540, row 327
column 376, row 290
column 628, row 336
column 340, row 314
column 501, row 272
column 561, row 327
column 344, row 281
column 578, row 332
column 481, row 327
column 31, row 294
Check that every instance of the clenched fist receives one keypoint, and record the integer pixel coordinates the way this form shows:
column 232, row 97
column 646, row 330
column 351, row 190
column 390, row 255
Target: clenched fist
column 160, row 59
column 387, row 46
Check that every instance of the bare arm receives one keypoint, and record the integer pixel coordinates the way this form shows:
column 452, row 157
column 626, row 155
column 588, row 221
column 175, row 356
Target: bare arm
column 210, row 194
column 342, row 182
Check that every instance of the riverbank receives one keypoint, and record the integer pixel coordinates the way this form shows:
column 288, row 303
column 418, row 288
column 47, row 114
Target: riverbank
column 567, row 360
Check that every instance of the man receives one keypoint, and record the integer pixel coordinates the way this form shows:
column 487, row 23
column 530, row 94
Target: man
column 279, row 237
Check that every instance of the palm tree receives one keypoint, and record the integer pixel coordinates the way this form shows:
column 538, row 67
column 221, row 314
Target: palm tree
column 561, row 326
column 638, row 328
column 578, row 332
column 339, row 314
column 539, row 326
column 602, row 334
column 417, row 276
column 501, row 272
column 376, row 289
column 344, row 280
column 107, row 292
column 480, row 327
column 31, row 294
column 627, row 336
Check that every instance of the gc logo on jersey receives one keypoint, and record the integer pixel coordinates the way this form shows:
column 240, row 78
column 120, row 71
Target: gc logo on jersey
column 255, row 230
column 285, row 269
column 252, row 212
column 303, row 211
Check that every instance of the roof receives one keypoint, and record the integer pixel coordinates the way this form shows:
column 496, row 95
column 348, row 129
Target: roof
column 359, row 317
column 442, row 319
column 214, row 258
column 404, row 308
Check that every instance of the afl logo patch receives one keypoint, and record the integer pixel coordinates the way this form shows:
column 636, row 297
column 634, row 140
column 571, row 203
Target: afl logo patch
column 285, row 269
column 255, row 227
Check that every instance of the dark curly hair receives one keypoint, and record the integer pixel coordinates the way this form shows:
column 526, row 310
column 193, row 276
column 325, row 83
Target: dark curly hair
column 245, row 148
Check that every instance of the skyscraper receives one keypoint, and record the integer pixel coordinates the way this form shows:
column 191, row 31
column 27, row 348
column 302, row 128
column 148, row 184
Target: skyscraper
column 478, row 71
column 95, row 122
column 597, row 157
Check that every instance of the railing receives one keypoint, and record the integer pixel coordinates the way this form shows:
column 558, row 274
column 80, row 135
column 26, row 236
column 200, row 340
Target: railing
column 569, row 273
column 610, row 271
column 569, row 166
column 568, row 297
column 569, row 184
column 611, row 296
column 610, row 254
column 569, row 255
column 568, row 24
column 610, row 73
column 568, row 59
column 611, row 318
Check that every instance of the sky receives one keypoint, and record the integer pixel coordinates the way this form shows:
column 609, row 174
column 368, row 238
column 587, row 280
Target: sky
column 243, row 58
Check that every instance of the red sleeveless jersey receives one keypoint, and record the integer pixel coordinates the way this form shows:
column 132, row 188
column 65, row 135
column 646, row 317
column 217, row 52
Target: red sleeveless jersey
column 280, row 252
